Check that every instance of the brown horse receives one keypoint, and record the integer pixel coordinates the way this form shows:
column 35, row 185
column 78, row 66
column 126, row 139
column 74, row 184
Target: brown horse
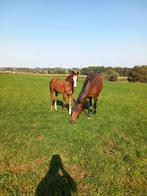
column 92, row 87
column 65, row 87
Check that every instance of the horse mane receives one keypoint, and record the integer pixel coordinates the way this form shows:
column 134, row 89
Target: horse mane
column 90, row 77
column 85, row 88
column 70, row 79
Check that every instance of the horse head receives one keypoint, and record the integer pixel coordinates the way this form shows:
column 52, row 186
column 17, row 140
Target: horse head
column 75, row 78
column 77, row 109
column 72, row 78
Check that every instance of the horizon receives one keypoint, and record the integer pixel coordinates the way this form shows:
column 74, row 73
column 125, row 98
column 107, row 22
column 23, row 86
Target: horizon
column 73, row 34
column 61, row 67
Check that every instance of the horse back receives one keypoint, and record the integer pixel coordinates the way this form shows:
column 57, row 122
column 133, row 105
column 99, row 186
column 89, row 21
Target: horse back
column 60, row 86
column 57, row 85
column 99, row 81
column 95, row 87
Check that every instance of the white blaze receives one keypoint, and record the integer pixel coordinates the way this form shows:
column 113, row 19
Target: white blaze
column 75, row 81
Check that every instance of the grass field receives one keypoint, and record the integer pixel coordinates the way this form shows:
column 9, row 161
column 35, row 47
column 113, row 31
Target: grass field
column 41, row 153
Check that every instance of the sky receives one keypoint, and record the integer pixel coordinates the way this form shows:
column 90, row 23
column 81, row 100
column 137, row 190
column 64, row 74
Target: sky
column 73, row 33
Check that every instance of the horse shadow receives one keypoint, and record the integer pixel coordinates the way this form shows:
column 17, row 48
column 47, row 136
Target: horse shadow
column 60, row 103
column 86, row 107
column 57, row 182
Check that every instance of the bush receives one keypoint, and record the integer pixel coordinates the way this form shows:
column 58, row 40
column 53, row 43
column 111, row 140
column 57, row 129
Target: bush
column 111, row 75
column 138, row 74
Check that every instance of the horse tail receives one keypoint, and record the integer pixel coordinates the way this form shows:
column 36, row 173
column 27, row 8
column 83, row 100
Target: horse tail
column 52, row 84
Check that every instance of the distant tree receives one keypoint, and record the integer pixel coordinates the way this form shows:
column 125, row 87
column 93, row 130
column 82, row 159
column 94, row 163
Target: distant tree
column 123, row 71
column 138, row 74
column 87, row 70
column 59, row 70
column 111, row 75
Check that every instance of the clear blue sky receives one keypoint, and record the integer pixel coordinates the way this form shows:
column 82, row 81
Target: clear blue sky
column 70, row 33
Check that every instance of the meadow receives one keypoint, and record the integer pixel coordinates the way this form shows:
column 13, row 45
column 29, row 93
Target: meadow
column 41, row 153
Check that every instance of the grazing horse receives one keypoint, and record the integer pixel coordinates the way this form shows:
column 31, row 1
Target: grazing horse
column 92, row 87
column 65, row 87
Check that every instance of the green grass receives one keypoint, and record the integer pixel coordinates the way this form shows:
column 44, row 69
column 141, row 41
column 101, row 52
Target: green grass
column 102, row 156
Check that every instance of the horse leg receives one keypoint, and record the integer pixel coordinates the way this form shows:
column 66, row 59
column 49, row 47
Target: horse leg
column 89, row 106
column 64, row 102
column 95, row 102
column 70, row 103
column 56, row 98
column 51, row 100
column 90, row 103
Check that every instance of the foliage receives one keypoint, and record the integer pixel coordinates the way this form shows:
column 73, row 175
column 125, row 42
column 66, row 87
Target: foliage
column 111, row 75
column 102, row 156
column 138, row 74
column 97, row 69
column 123, row 71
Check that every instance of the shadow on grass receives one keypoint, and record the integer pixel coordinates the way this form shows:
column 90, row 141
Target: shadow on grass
column 60, row 104
column 57, row 182
column 87, row 109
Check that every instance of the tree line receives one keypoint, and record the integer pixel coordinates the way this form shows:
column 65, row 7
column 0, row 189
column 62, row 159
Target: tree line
column 135, row 74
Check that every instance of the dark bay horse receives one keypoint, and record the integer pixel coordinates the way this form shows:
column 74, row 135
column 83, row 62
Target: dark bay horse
column 92, row 87
column 65, row 87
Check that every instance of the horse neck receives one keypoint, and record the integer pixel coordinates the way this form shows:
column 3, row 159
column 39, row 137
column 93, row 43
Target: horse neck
column 84, row 92
column 70, row 80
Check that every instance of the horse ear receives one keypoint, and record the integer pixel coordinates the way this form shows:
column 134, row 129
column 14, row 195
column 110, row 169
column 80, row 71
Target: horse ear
column 78, row 72
column 72, row 72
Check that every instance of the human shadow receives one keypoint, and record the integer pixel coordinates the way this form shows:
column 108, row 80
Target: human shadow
column 57, row 182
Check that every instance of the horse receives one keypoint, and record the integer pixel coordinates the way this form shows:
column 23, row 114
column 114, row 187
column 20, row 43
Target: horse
column 92, row 87
column 65, row 87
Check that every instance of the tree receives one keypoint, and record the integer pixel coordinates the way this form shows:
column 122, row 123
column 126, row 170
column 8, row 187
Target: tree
column 138, row 74
column 111, row 75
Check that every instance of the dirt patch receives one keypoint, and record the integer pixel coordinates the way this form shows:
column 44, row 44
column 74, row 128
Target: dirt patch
column 23, row 168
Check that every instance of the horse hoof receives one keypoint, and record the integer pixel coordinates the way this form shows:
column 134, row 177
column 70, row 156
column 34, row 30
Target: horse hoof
column 89, row 118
